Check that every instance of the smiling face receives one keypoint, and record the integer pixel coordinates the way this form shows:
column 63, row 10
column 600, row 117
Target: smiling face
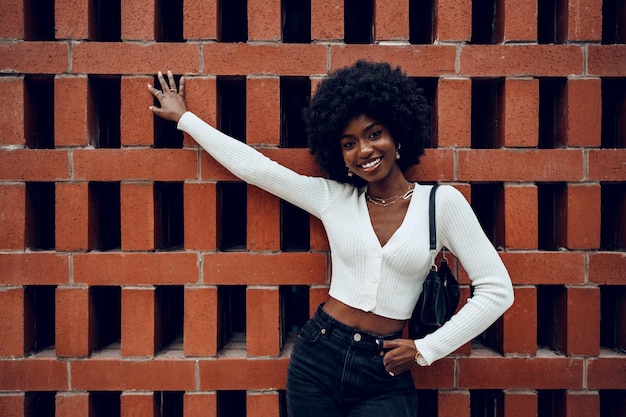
column 368, row 149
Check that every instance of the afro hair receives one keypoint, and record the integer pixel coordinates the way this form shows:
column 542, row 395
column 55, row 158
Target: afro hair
column 375, row 90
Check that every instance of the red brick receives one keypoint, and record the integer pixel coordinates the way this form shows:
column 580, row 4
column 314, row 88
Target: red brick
column 520, row 216
column 583, row 321
column 39, row 268
column 265, row 59
column 134, row 58
column 318, row 294
column 263, row 321
column 391, row 21
column 72, row 333
column 71, row 19
column 24, row 57
column 200, row 19
column 584, row 112
column 327, row 20
column 520, row 60
column 12, row 212
column 607, row 165
column 12, row 322
column 110, row 374
column 200, row 216
column 520, row 323
column 435, row 165
column 414, row 60
column 11, row 21
column 263, row 111
column 138, row 20
column 232, row 268
column 33, row 374
column 71, row 404
column 200, row 321
column 263, row 404
column 12, row 117
column 136, row 123
column 454, row 107
column 135, row 164
column 135, row 269
column 12, row 404
column 440, row 375
column 582, row 403
column 263, row 227
column 200, row 404
column 606, row 60
column 34, row 165
column 520, row 20
column 520, row 165
column 243, row 374
column 520, row 373
column 264, row 20
column 318, row 238
column 606, row 373
column 138, row 321
column 453, row 403
column 71, row 216
column 607, row 268
column 583, row 216
column 453, row 20
column 520, row 404
column 138, row 404
column 201, row 98
column 71, row 118
column 584, row 20
column 521, row 112
column 549, row 268
column 137, row 216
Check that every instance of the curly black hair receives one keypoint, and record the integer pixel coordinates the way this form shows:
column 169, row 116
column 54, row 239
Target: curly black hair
column 375, row 90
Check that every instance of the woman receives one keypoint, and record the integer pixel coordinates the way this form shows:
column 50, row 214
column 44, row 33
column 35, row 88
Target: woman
column 367, row 124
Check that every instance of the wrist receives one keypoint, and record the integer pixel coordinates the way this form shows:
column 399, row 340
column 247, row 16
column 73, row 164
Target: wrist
column 419, row 359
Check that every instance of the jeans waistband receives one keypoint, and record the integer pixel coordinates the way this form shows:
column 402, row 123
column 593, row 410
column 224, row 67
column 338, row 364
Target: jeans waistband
column 350, row 335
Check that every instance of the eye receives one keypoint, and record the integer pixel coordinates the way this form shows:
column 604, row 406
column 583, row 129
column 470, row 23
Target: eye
column 347, row 144
column 376, row 134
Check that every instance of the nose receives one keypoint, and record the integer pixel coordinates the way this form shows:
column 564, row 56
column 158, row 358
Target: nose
column 365, row 148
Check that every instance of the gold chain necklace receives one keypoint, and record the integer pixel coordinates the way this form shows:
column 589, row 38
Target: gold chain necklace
column 384, row 202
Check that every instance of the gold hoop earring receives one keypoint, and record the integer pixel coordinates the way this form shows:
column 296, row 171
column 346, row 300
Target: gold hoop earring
column 397, row 151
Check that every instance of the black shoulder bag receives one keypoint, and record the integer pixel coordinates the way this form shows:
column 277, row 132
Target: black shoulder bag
column 440, row 295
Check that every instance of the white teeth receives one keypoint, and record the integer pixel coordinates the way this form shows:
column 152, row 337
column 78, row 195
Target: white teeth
column 371, row 163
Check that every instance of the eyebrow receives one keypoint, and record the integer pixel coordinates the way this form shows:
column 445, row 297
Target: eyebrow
column 365, row 129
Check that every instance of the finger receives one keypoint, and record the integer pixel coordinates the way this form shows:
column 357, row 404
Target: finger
column 162, row 82
column 181, row 88
column 155, row 91
column 172, row 82
column 390, row 344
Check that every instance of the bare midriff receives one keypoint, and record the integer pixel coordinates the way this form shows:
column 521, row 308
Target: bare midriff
column 362, row 320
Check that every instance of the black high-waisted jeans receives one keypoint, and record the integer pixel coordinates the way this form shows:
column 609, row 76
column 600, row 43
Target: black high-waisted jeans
column 337, row 371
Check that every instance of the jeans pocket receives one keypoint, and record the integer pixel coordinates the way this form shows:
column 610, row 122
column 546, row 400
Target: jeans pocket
column 309, row 333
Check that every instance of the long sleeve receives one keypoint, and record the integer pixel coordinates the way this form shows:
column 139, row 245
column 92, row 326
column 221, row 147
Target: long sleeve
column 459, row 231
column 309, row 193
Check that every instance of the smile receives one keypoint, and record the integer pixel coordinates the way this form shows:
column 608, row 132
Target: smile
column 371, row 164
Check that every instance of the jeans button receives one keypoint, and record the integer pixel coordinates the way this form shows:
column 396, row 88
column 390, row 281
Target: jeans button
column 357, row 337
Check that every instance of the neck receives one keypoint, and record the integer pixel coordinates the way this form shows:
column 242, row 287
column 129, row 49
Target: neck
column 390, row 186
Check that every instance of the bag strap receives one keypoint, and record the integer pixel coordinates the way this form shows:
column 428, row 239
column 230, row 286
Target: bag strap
column 432, row 225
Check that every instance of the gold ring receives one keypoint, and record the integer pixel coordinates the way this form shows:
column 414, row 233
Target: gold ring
column 158, row 92
column 173, row 89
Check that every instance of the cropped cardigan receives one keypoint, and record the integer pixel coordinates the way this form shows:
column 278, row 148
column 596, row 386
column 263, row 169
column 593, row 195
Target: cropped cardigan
column 384, row 280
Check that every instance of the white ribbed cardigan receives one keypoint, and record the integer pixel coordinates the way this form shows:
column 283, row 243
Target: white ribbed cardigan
column 386, row 280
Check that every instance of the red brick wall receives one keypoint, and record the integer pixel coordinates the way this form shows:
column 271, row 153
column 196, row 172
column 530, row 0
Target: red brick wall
column 144, row 329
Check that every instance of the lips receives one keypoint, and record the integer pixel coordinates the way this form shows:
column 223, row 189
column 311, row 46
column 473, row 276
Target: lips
column 371, row 164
